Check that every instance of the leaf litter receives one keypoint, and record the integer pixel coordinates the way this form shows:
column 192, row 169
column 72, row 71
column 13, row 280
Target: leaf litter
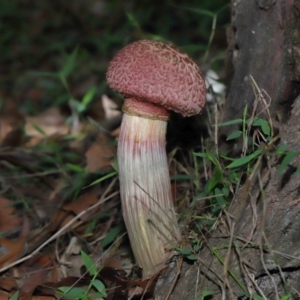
column 43, row 225
column 58, row 135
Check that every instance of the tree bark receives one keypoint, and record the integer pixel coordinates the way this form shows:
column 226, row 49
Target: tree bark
column 255, row 247
column 264, row 43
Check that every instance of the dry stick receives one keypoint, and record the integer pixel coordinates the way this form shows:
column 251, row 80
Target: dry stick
column 209, row 122
column 179, row 267
column 216, row 127
column 204, row 160
column 285, row 255
column 266, row 105
column 296, row 291
column 268, row 111
column 251, row 119
column 263, row 100
column 252, row 278
column 259, row 98
column 254, row 172
column 38, row 174
column 220, row 282
column 244, row 267
column 180, row 166
column 263, row 236
column 58, row 233
column 197, row 282
column 134, row 293
column 271, row 250
column 228, row 255
column 253, row 199
column 146, row 288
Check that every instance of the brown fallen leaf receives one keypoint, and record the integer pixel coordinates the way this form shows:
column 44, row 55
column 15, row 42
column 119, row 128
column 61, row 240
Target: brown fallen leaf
column 50, row 121
column 8, row 218
column 33, row 280
column 8, row 285
column 11, row 121
column 101, row 154
column 70, row 210
column 4, row 295
column 14, row 249
column 34, row 272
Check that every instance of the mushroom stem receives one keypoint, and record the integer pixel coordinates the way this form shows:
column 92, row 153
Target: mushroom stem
column 147, row 202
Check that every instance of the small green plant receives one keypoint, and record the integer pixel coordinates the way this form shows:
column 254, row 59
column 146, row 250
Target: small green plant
column 188, row 253
column 111, row 235
column 95, row 290
column 257, row 141
column 259, row 145
column 205, row 295
column 15, row 296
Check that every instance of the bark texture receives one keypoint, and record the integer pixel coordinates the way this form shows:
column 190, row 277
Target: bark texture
column 258, row 240
column 264, row 43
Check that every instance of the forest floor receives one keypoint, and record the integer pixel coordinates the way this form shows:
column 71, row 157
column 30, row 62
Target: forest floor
column 61, row 228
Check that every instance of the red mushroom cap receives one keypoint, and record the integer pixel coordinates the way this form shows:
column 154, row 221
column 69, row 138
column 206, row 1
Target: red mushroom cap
column 158, row 73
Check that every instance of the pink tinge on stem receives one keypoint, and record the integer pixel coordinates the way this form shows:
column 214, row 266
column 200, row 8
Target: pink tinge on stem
column 146, row 192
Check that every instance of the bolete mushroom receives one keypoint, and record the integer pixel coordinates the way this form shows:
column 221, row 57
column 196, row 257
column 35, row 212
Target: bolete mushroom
column 154, row 78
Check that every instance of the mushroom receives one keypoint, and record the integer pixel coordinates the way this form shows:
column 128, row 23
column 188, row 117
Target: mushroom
column 154, row 78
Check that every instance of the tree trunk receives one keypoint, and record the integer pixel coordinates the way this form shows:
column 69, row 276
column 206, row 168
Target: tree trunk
column 264, row 43
column 255, row 248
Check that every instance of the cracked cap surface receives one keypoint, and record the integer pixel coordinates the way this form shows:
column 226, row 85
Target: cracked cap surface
column 158, row 73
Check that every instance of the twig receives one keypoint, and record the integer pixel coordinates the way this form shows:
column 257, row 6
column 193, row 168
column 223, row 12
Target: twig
column 264, row 237
column 216, row 128
column 58, row 233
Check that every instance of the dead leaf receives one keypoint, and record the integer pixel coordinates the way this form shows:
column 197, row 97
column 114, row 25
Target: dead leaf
column 100, row 155
column 4, row 295
column 49, row 123
column 33, row 280
column 11, row 121
column 110, row 107
column 81, row 204
column 70, row 210
column 8, row 284
column 14, row 249
column 71, row 261
column 34, row 272
column 8, row 218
